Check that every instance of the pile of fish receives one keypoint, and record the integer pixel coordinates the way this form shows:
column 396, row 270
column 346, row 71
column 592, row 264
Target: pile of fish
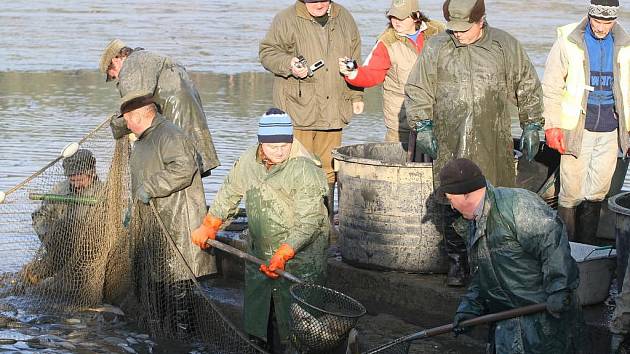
column 326, row 331
column 96, row 330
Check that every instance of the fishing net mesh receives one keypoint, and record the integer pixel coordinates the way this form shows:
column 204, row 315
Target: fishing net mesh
column 67, row 244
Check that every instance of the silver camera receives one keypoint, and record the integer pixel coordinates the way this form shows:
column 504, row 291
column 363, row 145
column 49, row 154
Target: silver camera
column 350, row 64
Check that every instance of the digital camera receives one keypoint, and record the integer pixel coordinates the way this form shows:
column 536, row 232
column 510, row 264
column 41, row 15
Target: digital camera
column 350, row 64
column 302, row 63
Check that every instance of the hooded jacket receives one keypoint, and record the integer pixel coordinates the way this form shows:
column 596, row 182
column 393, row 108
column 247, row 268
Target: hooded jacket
column 324, row 100
column 284, row 205
column 469, row 92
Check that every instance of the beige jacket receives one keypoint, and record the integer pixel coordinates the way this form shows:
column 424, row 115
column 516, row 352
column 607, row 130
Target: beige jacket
column 403, row 56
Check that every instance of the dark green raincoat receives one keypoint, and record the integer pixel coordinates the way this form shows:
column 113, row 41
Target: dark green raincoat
column 519, row 254
column 164, row 163
column 284, row 205
column 468, row 92
column 176, row 98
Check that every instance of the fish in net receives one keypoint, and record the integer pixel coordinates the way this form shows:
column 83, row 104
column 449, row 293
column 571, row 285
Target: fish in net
column 65, row 248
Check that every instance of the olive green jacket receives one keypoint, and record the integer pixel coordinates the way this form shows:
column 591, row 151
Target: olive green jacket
column 519, row 255
column 323, row 101
column 175, row 95
column 165, row 165
column 468, row 92
column 284, row 205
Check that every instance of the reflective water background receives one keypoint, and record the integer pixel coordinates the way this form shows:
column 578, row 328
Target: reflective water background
column 51, row 94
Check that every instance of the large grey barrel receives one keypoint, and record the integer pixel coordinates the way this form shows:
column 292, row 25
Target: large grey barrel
column 387, row 216
column 620, row 206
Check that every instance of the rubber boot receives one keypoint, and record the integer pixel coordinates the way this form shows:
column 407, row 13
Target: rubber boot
column 330, row 205
column 567, row 215
column 615, row 343
column 587, row 220
column 353, row 342
column 455, row 248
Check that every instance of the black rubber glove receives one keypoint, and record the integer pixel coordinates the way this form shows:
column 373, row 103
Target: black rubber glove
column 425, row 141
column 459, row 318
column 530, row 141
column 558, row 302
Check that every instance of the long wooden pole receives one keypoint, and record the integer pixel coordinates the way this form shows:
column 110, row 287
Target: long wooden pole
column 494, row 317
column 248, row 257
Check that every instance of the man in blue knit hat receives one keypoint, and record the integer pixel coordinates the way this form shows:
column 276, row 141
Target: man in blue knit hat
column 587, row 112
column 284, row 189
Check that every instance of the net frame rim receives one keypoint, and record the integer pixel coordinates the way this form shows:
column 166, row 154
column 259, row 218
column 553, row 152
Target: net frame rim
column 362, row 310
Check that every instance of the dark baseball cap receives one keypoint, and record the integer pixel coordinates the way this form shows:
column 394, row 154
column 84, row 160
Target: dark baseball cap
column 461, row 14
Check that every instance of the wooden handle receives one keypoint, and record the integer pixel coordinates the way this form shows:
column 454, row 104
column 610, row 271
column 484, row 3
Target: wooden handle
column 499, row 316
column 493, row 317
column 248, row 257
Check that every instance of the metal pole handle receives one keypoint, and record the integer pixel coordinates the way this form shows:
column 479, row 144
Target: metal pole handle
column 248, row 257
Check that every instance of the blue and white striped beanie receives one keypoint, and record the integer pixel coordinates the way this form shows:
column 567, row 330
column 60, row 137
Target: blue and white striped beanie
column 275, row 127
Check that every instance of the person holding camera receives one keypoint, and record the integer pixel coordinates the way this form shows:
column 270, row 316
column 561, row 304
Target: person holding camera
column 391, row 60
column 319, row 101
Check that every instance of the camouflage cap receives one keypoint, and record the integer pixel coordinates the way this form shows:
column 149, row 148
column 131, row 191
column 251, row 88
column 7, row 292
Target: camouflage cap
column 109, row 53
column 401, row 9
column 459, row 15
column 81, row 162
column 135, row 99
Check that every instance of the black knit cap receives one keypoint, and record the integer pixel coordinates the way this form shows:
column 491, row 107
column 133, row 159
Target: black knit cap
column 461, row 176
column 605, row 2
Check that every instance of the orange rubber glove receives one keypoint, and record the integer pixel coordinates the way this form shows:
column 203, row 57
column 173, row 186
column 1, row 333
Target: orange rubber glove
column 555, row 139
column 277, row 261
column 207, row 229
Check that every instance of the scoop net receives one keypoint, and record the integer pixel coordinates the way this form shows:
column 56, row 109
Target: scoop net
column 65, row 249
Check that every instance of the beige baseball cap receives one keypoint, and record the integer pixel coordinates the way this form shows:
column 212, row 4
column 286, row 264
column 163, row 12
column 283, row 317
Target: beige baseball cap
column 109, row 53
column 459, row 15
column 401, row 9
